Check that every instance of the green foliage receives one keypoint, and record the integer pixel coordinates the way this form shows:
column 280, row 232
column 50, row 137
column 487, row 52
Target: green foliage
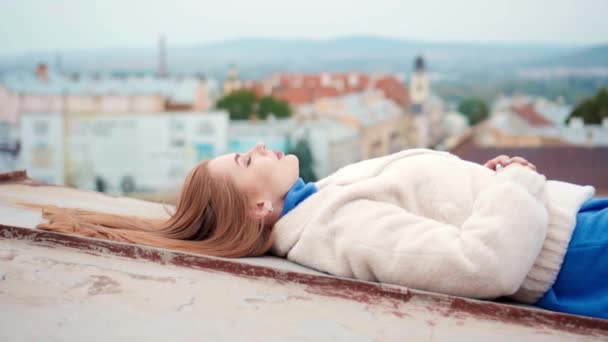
column 475, row 110
column 278, row 108
column 304, row 154
column 242, row 104
column 593, row 109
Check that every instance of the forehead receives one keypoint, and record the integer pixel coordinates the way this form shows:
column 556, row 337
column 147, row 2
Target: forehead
column 223, row 163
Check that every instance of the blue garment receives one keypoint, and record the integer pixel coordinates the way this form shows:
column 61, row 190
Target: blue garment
column 581, row 286
column 298, row 192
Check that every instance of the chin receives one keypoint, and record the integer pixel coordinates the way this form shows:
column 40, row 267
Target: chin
column 294, row 165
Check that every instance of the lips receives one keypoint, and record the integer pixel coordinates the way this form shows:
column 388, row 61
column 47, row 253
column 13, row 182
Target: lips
column 279, row 154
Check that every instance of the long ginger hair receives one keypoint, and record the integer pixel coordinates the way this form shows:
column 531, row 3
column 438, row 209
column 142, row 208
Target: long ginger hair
column 211, row 217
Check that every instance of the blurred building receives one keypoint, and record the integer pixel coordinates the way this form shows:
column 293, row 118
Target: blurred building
column 574, row 164
column 119, row 153
column 232, row 82
column 244, row 134
column 425, row 127
column 303, row 89
column 523, row 121
column 46, row 91
column 333, row 145
column 383, row 126
column 428, row 110
column 9, row 147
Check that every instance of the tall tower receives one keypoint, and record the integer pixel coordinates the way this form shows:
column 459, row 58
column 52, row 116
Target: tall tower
column 162, row 57
column 419, row 85
column 419, row 94
column 232, row 82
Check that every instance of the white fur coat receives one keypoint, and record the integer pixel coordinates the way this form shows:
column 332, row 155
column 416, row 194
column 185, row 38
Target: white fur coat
column 431, row 221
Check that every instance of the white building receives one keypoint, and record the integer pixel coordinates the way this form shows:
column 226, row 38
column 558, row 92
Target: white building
column 332, row 144
column 43, row 146
column 122, row 152
column 44, row 91
column 382, row 125
column 538, row 121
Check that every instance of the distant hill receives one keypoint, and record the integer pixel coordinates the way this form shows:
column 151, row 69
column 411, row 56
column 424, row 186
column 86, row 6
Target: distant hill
column 589, row 57
column 266, row 54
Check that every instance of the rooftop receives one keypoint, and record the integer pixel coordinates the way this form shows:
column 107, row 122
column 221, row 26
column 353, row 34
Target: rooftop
column 574, row 164
column 178, row 90
column 73, row 285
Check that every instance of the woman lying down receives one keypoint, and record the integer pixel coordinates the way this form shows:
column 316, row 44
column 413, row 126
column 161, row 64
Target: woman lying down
column 418, row 218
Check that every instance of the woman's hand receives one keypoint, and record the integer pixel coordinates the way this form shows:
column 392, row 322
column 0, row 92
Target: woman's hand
column 505, row 161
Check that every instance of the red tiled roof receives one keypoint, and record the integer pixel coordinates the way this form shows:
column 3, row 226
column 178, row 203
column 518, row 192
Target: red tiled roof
column 393, row 89
column 528, row 113
column 325, row 92
column 258, row 89
column 311, row 81
column 305, row 88
column 294, row 95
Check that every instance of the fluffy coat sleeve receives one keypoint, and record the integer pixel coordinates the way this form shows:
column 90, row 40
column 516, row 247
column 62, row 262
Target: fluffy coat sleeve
column 488, row 256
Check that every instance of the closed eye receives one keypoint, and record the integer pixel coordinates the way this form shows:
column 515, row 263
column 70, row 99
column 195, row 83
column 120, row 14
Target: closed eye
column 249, row 161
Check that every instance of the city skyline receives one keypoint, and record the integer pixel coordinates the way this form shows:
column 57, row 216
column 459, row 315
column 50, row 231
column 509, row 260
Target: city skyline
column 30, row 26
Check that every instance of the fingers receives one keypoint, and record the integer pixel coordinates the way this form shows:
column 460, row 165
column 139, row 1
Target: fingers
column 522, row 161
column 505, row 160
column 492, row 163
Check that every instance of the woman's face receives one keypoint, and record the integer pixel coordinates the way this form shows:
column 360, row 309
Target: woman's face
column 262, row 174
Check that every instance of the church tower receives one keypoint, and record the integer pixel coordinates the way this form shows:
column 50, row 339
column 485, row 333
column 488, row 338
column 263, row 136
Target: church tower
column 232, row 82
column 419, row 95
column 419, row 85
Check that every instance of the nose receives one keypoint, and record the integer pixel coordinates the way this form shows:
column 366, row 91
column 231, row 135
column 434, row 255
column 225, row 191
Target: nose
column 261, row 147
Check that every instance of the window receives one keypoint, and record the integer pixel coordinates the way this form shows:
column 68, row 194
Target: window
column 375, row 149
column 206, row 129
column 394, row 142
column 41, row 127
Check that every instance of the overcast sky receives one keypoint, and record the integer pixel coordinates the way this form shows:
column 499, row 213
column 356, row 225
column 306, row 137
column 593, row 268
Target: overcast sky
column 33, row 25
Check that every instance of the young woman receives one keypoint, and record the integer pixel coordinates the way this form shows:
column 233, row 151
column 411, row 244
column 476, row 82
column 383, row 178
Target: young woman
column 419, row 218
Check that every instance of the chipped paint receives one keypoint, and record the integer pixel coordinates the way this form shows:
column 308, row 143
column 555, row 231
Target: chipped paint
column 393, row 298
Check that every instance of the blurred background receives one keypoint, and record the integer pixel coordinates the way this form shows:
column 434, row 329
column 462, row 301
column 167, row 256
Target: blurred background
column 124, row 97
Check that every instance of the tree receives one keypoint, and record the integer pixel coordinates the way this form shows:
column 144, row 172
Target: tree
column 304, row 154
column 100, row 184
column 268, row 105
column 242, row 104
column 593, row 109
column 475, row 110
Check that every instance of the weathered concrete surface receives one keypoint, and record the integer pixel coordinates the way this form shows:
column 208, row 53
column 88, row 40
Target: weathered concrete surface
column 62, row 294
column 56, row 287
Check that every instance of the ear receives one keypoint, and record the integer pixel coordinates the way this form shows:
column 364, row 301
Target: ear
column 262, row 209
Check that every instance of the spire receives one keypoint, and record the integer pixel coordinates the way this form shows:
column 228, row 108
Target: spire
column 162, row 57
column 419, row 64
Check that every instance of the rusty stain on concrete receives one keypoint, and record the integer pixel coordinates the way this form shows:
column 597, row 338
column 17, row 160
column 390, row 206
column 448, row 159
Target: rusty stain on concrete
column 99, row 285
column 147, row 277
column 8, row 255
column 322, row 285
column 191, row 302
column 103, row 285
